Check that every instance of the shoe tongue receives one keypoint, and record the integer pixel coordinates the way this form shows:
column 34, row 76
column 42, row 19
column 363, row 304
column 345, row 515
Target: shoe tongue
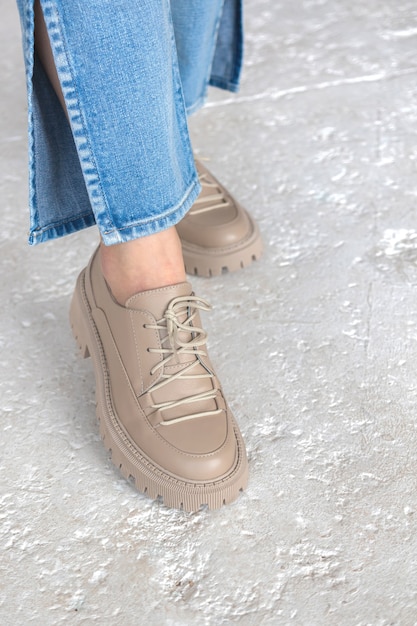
column 156, row 300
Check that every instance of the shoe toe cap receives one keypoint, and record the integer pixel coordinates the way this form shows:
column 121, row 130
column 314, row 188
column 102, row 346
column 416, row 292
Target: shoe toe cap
column 203, row 449
column 222, row 230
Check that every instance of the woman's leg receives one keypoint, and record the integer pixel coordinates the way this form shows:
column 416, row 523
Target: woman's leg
column 217, row 234
column 117, row 68
column 44, row 52
column 161, row 407
column 145, row 263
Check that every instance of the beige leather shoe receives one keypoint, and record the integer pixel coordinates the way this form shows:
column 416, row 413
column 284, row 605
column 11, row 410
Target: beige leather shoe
column 217, row 234
column 160, row 406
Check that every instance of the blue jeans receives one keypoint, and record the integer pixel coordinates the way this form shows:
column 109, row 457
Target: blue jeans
column 130, row 72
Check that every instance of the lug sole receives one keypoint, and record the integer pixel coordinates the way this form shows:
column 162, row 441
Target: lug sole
column 209, row 262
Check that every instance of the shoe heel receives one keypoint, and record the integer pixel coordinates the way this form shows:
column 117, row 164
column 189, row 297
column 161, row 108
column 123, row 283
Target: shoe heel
column 77, row 322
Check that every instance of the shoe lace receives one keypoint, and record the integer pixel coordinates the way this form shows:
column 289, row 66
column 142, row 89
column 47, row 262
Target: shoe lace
column 177, row 319
column 211, row 197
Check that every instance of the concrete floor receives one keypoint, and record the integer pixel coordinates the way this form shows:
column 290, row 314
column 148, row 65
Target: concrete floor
column 316, row 346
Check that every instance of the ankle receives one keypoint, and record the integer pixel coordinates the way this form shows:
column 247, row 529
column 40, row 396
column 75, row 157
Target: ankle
column 141, row 264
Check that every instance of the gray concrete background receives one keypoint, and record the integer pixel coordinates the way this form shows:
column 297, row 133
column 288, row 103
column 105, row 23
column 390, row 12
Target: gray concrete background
column 316, row 346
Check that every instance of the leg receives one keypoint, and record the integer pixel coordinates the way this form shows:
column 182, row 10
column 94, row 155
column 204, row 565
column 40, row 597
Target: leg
column 162, row 410
column 146, row 263
column 217, row 234
column 137, row 265
column 43, row 49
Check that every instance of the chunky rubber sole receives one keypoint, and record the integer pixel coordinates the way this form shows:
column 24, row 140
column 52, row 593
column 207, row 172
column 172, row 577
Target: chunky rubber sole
column 149, row 478
column 208, row 262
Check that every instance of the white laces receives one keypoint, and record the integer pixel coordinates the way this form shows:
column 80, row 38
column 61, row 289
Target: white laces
column 182, row 307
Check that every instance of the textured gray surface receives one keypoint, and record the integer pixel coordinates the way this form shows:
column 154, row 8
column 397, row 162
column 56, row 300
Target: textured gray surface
column 316, row 346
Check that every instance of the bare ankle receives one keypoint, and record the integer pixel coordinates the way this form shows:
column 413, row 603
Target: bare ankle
column 142, row 264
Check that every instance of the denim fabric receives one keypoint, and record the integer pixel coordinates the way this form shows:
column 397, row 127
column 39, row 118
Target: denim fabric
column 130, row 72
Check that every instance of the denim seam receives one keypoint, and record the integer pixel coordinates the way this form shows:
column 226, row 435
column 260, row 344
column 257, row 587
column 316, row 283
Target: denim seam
column 75, row 113
column 179, row 95
column 74, row 218
column 232, row 83
column 67, row 228
column 220, row 81
column 30, row 60
column 203, row 95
